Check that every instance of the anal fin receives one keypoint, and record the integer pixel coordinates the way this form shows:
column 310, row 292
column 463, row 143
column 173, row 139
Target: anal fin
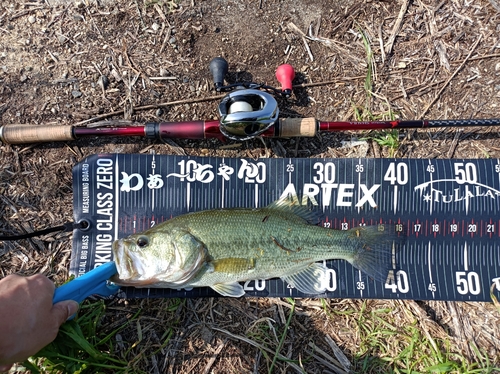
column 229, row 289
column 309, row 280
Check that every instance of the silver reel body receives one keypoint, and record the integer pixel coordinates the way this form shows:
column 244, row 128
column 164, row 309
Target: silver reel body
column 247, row 113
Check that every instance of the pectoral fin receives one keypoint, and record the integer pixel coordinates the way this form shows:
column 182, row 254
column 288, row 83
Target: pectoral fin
column 309, row 280
column 229, row 289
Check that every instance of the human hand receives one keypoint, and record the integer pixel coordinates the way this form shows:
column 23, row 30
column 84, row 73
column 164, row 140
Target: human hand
column 28, row 319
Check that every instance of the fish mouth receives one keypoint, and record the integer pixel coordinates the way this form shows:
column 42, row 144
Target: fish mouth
column 124, row 262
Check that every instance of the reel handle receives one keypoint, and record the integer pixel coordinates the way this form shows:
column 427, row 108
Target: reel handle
column 24, row 134
column 218, row 68
column 285, row 74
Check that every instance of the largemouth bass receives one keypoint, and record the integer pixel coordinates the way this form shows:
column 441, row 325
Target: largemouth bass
column 220, row 248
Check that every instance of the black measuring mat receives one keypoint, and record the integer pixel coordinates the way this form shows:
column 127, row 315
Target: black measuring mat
column 447, row 210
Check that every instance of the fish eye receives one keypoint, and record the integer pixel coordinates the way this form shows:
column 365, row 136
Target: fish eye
column 142, row 241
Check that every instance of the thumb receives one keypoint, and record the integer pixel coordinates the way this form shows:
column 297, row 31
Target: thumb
column 63, row 310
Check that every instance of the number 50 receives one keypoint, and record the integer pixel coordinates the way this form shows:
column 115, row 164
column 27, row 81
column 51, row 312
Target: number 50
column 468, row 283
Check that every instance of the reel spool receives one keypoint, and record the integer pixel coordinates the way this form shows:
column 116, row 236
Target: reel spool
column 247, row 113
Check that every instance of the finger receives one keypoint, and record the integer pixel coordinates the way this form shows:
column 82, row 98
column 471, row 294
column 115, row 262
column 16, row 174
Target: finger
column 43, row 282
column 63, row 310
column 5, row 368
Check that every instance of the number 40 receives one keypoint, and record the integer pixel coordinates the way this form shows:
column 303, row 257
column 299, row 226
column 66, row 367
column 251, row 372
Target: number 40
column 397, row 173
column 397, row 282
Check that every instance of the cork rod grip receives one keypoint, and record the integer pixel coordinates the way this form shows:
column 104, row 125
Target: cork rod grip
column 292, row 127
column 23, row 134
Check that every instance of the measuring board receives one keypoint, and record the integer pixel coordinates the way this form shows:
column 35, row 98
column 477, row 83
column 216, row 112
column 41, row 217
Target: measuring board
column 447, row 209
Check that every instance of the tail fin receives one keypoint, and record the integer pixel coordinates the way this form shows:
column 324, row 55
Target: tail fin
column 374, row 249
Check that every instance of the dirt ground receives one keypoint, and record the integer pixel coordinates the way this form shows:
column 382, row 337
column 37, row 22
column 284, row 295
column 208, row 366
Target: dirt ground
column 84, row 61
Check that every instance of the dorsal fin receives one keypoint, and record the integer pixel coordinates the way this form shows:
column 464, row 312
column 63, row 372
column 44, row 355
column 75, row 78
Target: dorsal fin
column 287, row 205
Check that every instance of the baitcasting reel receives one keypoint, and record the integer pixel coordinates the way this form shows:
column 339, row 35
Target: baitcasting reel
column 248, row 112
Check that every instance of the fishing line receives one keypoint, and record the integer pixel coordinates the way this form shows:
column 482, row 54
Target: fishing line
column 66, row 227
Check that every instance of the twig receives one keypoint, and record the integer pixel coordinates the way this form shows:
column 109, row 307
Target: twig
column 324, row 354
column 376, row 149
column 441, row 51
column 115, row 123
column 327, row 363
column 454, row 144
column 153, row 106
column 493, row 55
column 259, row 346
column 311, row 57
column 450, row 78
column 341, row 357
column 23, row 13
column 174, row 147
column 129, row 62
column 397, row 26
column 162, row 78
column 203, row 99
column 214, row 357
column 167, row 36
column 381, row 42
column 328, row 42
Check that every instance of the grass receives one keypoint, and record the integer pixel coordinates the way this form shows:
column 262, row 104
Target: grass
column 364, row 112
column 80, row 345
column 386, row 343
column 384, row 340
column 386, row 138
column 284, row 333
column 384, row 337
column 92, row 342
column 264, row 332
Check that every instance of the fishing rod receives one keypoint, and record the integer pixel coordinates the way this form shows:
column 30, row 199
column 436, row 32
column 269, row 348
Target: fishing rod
column 249, row 110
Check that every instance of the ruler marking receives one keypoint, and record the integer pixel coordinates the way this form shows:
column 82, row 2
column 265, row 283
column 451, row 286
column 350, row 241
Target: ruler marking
column 359, row 186
column 466, row 263
column 445, row 279
column 256, row 195
column 419, row 281
column 431, row 202
column 153, row 190
column 429, row 261
column 481, row 256
column 393, row 257
column 395, row 198
column 223, row 189
column 496, row 275
column 360, row 288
